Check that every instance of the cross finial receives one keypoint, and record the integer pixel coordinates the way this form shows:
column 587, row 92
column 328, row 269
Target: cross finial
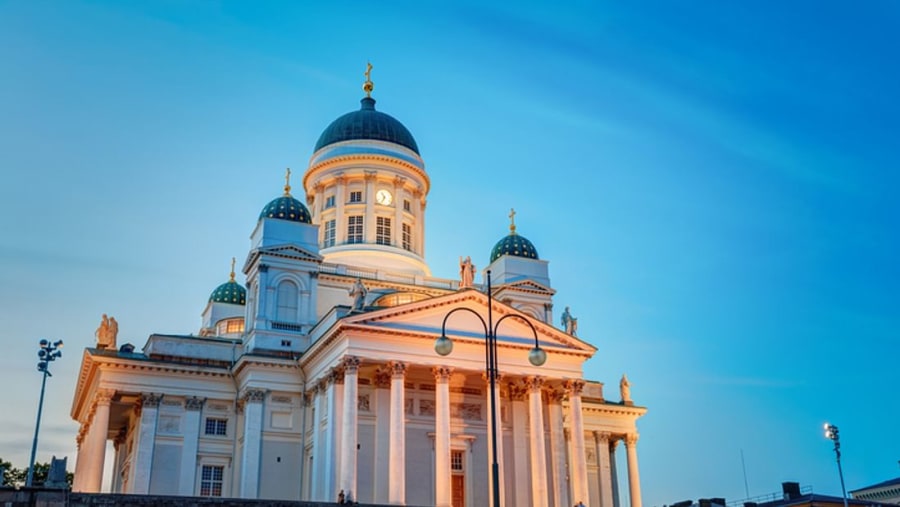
column 232, row 269
column 512, row 221
column 368, row 86
column 287, row 182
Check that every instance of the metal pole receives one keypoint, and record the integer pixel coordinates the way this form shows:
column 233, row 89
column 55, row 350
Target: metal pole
column 37, row 428
column 837, row 451
column 491, row 344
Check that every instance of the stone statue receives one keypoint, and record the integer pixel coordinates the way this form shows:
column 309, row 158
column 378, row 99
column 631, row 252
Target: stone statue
column 625, row 390
column 341, row 498
column 358, row 292
column 466, row 272
column 569, row 323
column 107, row 332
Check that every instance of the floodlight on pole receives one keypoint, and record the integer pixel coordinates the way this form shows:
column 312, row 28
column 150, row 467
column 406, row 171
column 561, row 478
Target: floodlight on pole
column 832, row 433
column 48, row 353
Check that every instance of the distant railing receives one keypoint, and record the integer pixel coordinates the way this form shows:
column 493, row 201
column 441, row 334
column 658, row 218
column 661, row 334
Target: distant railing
column 287, row 326
column 770, row 497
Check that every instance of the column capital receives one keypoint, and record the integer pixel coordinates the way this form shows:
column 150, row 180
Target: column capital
column 382, row 378
column 350, row 364
column 194, row 403
column 613, row 443
column 263, row 268
column 399, row 181
column 322, row 384
column 318, row 187
column 602, row 436
column 336, row 376
column 340, row 178
column 573, row 386
column 104, row 396
column 150, row 400
column 631, row 439
column 442, row 374
column 556, row 396
column 498, row 377
column 534, row 383
column 370, row 175
column 398, row 369
column 253, row 395
column 516, row 392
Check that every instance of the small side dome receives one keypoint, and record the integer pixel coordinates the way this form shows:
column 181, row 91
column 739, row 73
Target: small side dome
column 230, row 291
column 286, row 207
column 514, row 244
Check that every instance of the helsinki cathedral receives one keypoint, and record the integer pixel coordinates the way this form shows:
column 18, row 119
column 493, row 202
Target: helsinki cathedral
column 340, row 368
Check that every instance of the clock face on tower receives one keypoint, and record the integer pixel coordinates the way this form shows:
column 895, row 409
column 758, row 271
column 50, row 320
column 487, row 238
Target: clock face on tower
column 384, row 197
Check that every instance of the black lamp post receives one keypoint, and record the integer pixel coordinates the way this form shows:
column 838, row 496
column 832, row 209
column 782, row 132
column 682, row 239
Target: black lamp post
column 47, row 354
column 832, row 433
column 536, row 356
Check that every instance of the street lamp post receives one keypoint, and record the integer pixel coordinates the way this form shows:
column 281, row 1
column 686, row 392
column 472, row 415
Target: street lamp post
column 831, row 432
column 537, row 356
column 48, row 353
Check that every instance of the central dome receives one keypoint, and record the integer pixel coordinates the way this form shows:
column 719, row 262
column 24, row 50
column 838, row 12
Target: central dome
column 367, row 123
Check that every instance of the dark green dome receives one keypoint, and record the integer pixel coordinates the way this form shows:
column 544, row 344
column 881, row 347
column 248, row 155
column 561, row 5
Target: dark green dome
column 367, row 123
column 229, row 292
column 516, row 245
column 286, row 208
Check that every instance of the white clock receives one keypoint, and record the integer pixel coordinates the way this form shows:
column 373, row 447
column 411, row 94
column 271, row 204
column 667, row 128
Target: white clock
column 384, row 197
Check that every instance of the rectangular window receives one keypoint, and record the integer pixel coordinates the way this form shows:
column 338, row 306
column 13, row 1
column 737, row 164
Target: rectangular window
column 329, row 233
column 211, row 480
column 382, row 230
column 407, row 237
column 355, row 229
column 235, row 326
column 215, row 426
column 456, row 461
column 356, row 196
column 329, row 202
column 406, row 205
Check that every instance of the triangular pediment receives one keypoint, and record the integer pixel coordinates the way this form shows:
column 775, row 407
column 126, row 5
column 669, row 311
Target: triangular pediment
column 427, row 318
column 286, row 251
column 529, row 286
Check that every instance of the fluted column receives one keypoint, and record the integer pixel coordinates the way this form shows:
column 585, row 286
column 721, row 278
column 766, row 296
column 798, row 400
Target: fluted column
column 96, row 440
column 613, row 474
column 317, row 491
column 192, row 408
column 262, row 290
column 538, row 449
column 142, row 462
column 558, row 449
column 81, row 463
column 333, row 398
column 382, row 382
column 522, row 495
column 369, row 219
column 397, row 231
column 634, row 480
column 490, row 439
column 349, row 427
column 250, row 458
column 579, row 462
column 340, row 218
column 442, row 496
column 397, row 464
column 604, row 473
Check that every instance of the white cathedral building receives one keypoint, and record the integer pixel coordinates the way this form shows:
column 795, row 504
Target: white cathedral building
column 322, row 376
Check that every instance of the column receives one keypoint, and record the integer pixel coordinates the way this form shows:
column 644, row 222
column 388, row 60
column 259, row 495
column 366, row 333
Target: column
column 614, row 476
column 520, row 445
column 604, row 472
column 397, row 231
column 250, row 458
column 317, row 492
column 382, row 383
column 419, row 229
column 349, row 437
column 118, row 462
column 337, row 423
column 340, row 218
column 538, row 448
column 142, row 461
column 490, row 438
column 634, row 481
column 442, row 493
column 579, row 463
column 558, row 449
column 192, row 409
column 330, row 449
column 80, row 463
column 397, row 462
column 262, row 280
column 369, row 219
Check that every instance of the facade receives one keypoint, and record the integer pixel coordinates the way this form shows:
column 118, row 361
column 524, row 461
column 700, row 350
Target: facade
column 321, row 375
column 884, row 492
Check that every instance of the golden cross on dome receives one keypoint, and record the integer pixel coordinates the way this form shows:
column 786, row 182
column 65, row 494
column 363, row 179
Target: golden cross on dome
column 512, row 221
column 232, row 269
column 287, row 182
column 368, row 86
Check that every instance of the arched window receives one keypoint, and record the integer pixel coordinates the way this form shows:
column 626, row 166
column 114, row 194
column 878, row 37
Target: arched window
column 287, row 302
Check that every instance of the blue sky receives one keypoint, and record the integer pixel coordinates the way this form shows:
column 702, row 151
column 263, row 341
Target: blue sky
column 713, row 183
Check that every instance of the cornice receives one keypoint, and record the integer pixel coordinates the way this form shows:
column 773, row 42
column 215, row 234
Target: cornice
column 344, row 159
